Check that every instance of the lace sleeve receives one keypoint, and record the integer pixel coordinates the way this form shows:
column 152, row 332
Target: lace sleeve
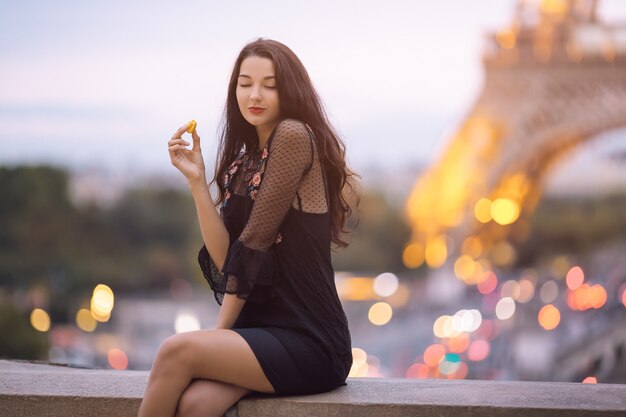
column 249, row 266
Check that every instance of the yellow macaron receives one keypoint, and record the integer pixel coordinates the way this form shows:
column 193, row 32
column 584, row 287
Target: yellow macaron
column 192, row 126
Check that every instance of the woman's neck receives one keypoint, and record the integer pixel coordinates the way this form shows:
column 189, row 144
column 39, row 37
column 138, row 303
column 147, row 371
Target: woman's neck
column 263, row 132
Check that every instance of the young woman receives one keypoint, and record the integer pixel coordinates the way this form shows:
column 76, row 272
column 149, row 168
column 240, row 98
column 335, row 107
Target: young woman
column 283, row 186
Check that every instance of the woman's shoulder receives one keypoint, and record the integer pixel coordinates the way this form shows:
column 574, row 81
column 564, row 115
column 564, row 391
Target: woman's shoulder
column 292, row 131
column 292, row 125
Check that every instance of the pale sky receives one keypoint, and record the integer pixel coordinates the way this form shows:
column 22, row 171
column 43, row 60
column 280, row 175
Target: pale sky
column 109, row 82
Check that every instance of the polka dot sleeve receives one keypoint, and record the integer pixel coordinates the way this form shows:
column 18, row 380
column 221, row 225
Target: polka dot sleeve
column 249, row 266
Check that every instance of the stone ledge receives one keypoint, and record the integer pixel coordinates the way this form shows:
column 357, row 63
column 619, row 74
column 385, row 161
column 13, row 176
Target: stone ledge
column 33, row 390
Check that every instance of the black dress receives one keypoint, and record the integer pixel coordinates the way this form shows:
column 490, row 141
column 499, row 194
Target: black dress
column 279, row 260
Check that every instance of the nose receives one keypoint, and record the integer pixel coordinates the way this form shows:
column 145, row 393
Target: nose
column 255, row 95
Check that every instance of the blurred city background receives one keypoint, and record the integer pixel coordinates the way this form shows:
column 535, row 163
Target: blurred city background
column 490, row 136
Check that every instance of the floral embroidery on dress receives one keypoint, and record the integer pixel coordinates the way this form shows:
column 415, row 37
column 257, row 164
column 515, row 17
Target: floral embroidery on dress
column 229, row 176
column 279, row 238
column 254, row 181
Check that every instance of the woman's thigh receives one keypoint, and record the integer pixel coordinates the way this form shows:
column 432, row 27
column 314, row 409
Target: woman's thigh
column 207, row 398
column 218, row 355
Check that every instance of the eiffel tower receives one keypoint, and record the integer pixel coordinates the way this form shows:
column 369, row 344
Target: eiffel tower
column 554, row 79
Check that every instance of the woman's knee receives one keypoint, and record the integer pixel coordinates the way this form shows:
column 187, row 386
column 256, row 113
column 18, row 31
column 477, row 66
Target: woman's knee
column 169, row 354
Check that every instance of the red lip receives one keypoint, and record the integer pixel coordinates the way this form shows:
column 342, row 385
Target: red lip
column 256, row 110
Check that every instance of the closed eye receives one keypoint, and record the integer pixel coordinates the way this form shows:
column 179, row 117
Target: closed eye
column 267, row 86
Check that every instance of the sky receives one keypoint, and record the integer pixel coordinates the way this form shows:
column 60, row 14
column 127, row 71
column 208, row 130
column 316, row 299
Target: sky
column 107, row 83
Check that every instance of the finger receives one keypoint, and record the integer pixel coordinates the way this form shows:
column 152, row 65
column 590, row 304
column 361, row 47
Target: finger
column 196, row 141
column 174, row 148
column 180, row 131
column 178, row 141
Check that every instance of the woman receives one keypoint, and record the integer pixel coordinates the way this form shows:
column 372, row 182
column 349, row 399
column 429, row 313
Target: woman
column 282, row 180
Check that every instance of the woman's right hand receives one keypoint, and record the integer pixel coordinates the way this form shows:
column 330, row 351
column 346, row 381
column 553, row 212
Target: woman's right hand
column 189, row 162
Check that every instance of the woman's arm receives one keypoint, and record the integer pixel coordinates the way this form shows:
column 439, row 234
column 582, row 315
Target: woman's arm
column 216, row 240
column 214, row 233
column 229, row 312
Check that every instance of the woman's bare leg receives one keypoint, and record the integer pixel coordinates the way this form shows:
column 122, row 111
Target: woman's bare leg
column 218, row 355
column 206, row 398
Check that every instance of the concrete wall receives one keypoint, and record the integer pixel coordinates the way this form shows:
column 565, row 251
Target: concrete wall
column 34, row 389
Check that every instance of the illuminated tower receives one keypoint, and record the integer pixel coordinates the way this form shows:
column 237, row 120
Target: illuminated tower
column 554, row 78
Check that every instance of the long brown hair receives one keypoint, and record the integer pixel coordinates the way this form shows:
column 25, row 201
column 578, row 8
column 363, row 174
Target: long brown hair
column 298, row 100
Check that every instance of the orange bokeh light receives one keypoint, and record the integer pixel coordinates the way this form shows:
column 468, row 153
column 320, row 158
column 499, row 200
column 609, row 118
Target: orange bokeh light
column 433, row 354
column 598, row 296
column 418, row 370
column 586, row 297
column 459, row 344
column 117, row 359
column 590, row 380
column 549, row 317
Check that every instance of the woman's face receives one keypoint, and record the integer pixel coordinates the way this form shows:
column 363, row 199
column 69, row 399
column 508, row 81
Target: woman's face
column 257, row 94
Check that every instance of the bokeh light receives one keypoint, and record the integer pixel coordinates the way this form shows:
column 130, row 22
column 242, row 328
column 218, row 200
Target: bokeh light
column 488, row 283
column 413, row 255
column 186, row 322
column 472, row 246
column 586, row 296
column 386, row 284
column 380, row 313
column 458, row 344
column 466, row 320
column 439, row 326
column 436, row 252
column 482, row 210
column 478, row 350
column 510, row 289
column 355, row 288
column 117, row 359
column 549, row 291
column 444, row 327
column 102, row 302
column 85, row 321
column 461, row 371
column 40, row 320
column 574, row 278
column 526, row 291
column 559, row 266
column 549, row 317
column 504, row 211
column 449, row 364
column 418, row 370
column 433, row 354
column 555, row 7
column 464, row 267
column 359, row 363
column 505, row 308
column 503, row 253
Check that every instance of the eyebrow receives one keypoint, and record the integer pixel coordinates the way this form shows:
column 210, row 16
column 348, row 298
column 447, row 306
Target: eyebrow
column 265, row 78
